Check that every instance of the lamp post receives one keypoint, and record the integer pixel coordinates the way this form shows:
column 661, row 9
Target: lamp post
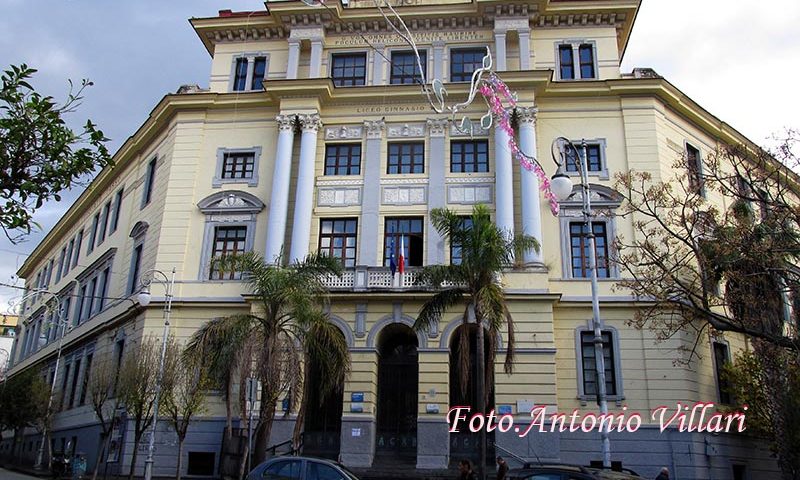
column 561, row 186
column 60, row 323
column 144, row 300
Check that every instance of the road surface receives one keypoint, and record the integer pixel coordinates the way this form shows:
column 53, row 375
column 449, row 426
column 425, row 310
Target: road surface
column 9, row 475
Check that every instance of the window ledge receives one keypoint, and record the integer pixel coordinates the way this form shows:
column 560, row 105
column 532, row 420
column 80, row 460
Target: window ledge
column 219, row 182
column 586, row 399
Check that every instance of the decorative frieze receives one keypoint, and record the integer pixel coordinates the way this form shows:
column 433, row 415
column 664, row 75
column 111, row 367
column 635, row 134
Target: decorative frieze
column 469, row 194
column 406, row 130
column 339, row 197
column 437, row 126
column 344, row 132
column 374, row 128
column 404, row 195
column 477, row 131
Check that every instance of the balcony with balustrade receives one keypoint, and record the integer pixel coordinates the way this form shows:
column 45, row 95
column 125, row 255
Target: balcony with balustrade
column 364, row 279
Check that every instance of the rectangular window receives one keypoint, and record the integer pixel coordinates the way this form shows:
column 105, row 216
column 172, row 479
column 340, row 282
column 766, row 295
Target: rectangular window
column 464, row 61
column 694, row 168
column 579, row 250
column 68, row 258
column 78, row 243
column 409, row 232
column 92, row 297
column 469, row 156
column 405, row 69
column 149, row 180
column 93, row 236
column 75, row 377
column 86, row 376
column 228, row 241
column 64, row 385
column 49, row 272
column 566, row 63
column 238, row 165
column 60, row 270
column 102, row 290
column 136, row 264
column 594, row 162
column 337, row 239
column 588, row 364
column 343, row 159
column 240, row 75
column 455, row 249
column 349, row 69
column 116, row 212
column 407, row 157
column 63, row 322
column 101, row 232
column 82, row 308
column 586, row 60
column 721, row 359
column 259, row 70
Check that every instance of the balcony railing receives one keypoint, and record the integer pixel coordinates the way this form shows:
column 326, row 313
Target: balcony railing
column 375, row 278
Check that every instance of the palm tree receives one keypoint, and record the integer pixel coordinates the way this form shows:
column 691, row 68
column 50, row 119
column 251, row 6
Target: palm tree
column 474, row 284
column 285, row 328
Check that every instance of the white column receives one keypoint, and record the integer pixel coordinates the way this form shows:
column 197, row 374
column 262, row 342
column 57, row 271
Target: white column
column 294, row 58
column 437, row 190
column 524, row 49
column 251, row 67
column 529, row 184
column 316, row 58
column 279, row 198
column 576, row 61
column 500, row 50
column 304, row 200
column 504, row 181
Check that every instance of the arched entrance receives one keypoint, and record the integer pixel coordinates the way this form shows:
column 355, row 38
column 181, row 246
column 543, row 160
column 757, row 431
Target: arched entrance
column 323, row 423
column 398, row 374
column 465, row 444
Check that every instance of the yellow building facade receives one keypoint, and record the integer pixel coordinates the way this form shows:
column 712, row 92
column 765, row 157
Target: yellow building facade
column 312, row 136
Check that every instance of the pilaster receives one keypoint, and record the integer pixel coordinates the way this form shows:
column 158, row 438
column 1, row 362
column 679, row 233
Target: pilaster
column 437, row 191
column 370, row 206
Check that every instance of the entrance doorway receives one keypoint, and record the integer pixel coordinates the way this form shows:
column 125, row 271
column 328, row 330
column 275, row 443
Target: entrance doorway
column 323, row 423
column 398, row 373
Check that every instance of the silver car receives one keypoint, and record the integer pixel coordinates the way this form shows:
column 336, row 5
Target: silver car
column 300, row 468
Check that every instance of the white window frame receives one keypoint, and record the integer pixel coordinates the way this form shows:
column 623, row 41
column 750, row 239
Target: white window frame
column 251, row 57
column 368, row 80
column 218, row 181
column 449, row 62
column 615, row 351
column 575, row 43
column 686, row 145
column 721, row 341
column 600, row 142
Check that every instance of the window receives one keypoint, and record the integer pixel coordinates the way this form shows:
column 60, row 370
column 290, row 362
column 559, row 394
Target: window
column 594, row 160
column 78, row 243
column 694, row 167
column 67, row 303
column 349, row 69
column 136, row 264
column 64, row 385
column 238, row 165
column 91, row 294
column 93, row 236
column 201, row 464
column 81, row 312
column 61, row 257
column 455, row 248
column 101, row 233
column 149, row 180
column 406, row 158
column 721, row 358
column 405, row 68
column 469, row 156
column 102, row 290
column 588, row 363
column 409, row 232
column 337, row 239
column 586, row 59
column 464, row 61
column 240, row 76
column 579, row 249
column 115, row 212
column 343, row 159
column 566, row 62
column 259, row 71
column 68, row 258
column 228, row 241
column 86, row 375
column 283, row 470
column 70, row 397
column 49, row 272
column 320, row 471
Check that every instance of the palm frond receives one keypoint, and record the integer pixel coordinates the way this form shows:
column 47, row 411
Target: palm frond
column 435, row 307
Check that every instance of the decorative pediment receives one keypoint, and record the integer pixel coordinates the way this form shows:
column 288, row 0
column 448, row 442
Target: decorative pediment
column 139, row 229
column 233, row 201
column 600, row 196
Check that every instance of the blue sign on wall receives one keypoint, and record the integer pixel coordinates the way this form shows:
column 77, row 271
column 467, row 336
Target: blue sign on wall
column 357, row 397
column 504, row 409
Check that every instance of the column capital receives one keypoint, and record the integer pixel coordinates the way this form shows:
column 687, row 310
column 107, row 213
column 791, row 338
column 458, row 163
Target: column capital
column 437, row 126
column 527, row 115
column 310, row 122
column 374, row 128
column 285, row 122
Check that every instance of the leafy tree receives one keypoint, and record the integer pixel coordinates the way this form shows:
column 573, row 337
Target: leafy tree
column 185, row 398
column 23, row 403
column 286, row 315
column 475, row 286
column 40, row 155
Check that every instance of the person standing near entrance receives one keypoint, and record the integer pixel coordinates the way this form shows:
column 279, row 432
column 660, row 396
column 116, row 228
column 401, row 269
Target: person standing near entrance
column 502, row 468
column 664, row 475
column 465, row 470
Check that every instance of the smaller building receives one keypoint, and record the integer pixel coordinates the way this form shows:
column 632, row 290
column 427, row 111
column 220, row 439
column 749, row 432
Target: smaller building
column 8, row 330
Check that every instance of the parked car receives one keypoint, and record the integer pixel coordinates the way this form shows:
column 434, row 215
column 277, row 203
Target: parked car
column 300, row 468
column 568, row 472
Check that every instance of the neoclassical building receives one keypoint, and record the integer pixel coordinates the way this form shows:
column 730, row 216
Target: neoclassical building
column 313, row 136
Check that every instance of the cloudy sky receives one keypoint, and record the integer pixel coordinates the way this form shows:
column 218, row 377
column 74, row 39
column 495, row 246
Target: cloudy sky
column 740, row 60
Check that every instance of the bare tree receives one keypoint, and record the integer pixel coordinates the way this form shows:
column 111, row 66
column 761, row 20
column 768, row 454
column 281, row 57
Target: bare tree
column 99, row 390
column 185, row 397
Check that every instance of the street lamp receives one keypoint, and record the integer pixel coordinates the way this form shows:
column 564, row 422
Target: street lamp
column 144, row 298
column 60, row 323
column 561, row 186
